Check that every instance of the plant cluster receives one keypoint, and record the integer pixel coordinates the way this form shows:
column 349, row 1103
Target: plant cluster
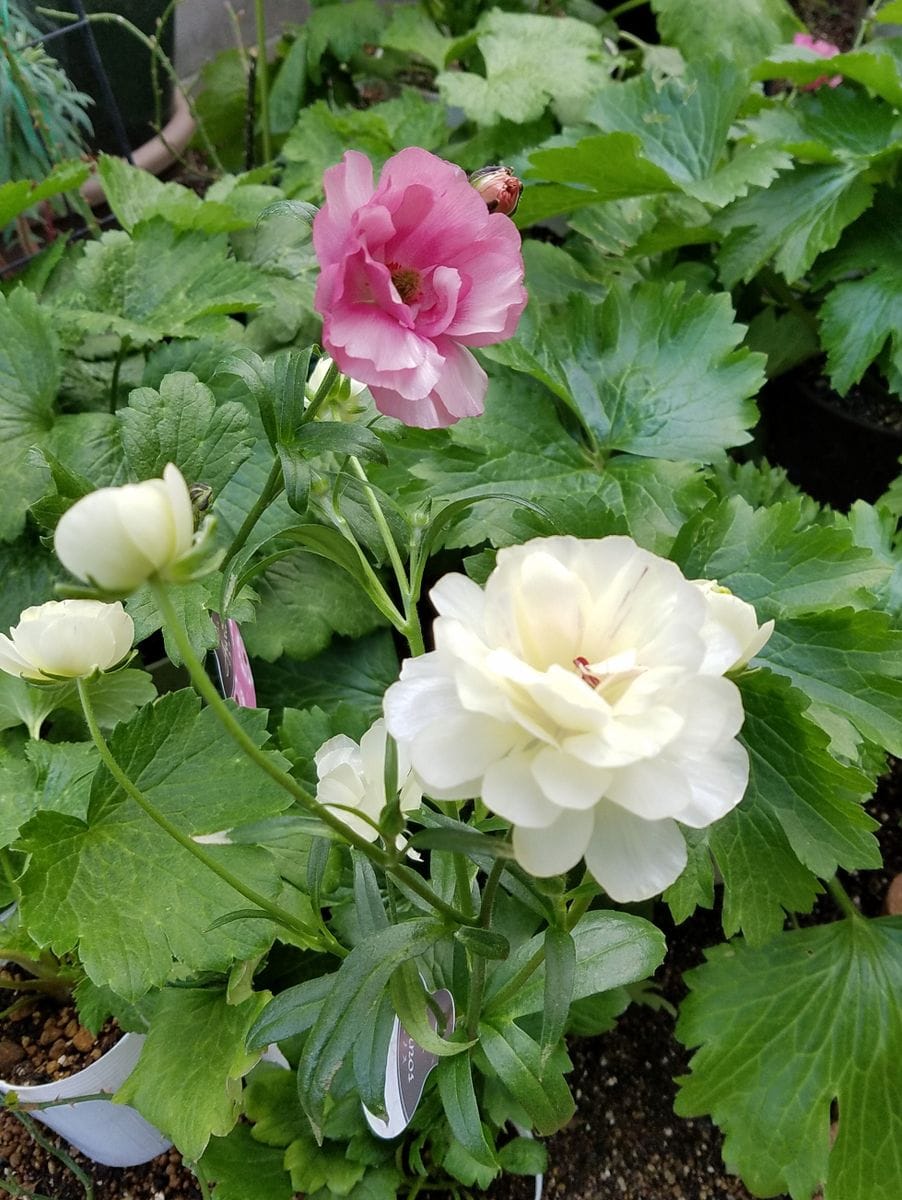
column 536, row 635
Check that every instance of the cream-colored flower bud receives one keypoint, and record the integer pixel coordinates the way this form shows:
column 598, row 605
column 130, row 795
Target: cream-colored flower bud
column 118, row 537
column 352, row 777
column 351, row 386
column 67, row 638
column 731, row 632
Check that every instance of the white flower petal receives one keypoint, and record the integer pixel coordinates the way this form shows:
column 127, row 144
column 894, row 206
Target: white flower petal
column 566, row 781
column 510, row 790
column 459, row 598
column 556, row 848
column 424, row 693
column 717, row 783
column 449, row 755
column 634, row 859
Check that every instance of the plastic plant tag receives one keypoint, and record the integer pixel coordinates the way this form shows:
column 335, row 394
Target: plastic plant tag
column 236, row 682
column 406, row 1071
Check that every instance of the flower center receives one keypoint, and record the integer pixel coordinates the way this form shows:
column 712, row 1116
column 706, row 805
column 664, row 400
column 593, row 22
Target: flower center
column 406, row 281
column 612, row 676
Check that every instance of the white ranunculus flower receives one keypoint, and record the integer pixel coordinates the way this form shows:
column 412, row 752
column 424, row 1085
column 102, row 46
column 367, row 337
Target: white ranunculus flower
column 575, row 694
column 731, row 631
column 67, row 638
column 118, row 537
column 354, row 777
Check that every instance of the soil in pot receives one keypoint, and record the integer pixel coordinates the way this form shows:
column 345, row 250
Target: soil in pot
column 839, row 449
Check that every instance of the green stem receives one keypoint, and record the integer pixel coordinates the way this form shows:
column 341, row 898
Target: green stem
column 477, row 977
column 202, row 1186
column 57, row 1152
column 842, row 898
column 205, row 687
column 781, row 290
column 17, row 1104
column 277, row 913
column 124, row 347
column 412, row 629
column 577, row 910
column 625, row 7
column 263, row 78
column 274, row 484
column 271, row 489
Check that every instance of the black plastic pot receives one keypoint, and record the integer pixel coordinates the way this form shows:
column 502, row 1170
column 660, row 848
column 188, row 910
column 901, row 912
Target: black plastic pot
column 128, row 111
column 837, row 449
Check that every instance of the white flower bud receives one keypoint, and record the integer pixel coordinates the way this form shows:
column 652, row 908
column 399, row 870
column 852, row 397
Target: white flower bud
column 731, row 632
column 67, row 638
column 118, row 537
column 353, row 387
column 353, row 777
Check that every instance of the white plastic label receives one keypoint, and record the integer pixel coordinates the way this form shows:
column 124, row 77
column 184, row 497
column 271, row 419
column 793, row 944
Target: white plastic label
column 406, row 1070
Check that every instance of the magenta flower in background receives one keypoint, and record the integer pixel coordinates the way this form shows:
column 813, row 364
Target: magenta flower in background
column 825, row 50
column 414, row 271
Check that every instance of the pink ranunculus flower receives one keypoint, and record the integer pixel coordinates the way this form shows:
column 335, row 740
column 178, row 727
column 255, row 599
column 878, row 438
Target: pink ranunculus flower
column 825, row 50
column 414, row 271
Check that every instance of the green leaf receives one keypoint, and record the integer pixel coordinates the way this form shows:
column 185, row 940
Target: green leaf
column 304, row 600
column 210, row 1074
column 523, row 1156
column 115, row 697
column 29, row 380
column 322, row 1169
column 28, row 572
column 878, row 66
column 850, row 662
column 370, row 1056
column 816, row 800
column 354, row 674
column 455, row 1086
column 541, row 1090
column 342, row 30
column 612, row 949
column 54, row 777
column 18, row 195
column 181, row 424
column 682, row 126
column 530, row 62
column 159, row 282
column 135, row 195
column 651, row 371
column 792, row 221
column 408, row 995
column 242, row 1167
column 487, row 943
column 744, row 30
column 192, row 602
column 605, row 166
column 858, row 318
column 290, row 1012
column 787, row 1030
column 521, row 448
column 830, row 125
column 368, row 902
column 357, row 988
column 100, row 884
column 413, row 31
column 776, row 560
column 560, row 979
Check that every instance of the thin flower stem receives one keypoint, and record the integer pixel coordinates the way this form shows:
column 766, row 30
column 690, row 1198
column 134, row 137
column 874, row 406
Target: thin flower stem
column 124, row 347
column 477, row 976
column 842, row 898
column 576, row 911
column 263, row 77
column 187, row 843
column 274, row 483
column 204, row 686
column 17, row 1104
column 625, row 7
column 57, row 1152
column 412, row 629
column 271, row 489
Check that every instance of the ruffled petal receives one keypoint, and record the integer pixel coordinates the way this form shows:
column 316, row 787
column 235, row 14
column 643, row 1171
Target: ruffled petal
column 556, row 847
column 634, row 859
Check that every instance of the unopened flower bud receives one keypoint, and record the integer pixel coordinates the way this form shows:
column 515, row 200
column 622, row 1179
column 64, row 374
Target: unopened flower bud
column 67, row 639
column 346, row 387
column 118, row 537
column 499, row 187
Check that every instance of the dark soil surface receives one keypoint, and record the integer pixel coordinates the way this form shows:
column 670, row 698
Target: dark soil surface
column 833, row 20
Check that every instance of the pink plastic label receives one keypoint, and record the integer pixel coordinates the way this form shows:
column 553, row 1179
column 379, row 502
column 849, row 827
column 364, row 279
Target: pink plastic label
column 235, row 676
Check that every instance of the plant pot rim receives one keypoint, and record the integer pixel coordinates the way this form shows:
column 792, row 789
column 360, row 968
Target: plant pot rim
column 113, row 1134
column 158, row 153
